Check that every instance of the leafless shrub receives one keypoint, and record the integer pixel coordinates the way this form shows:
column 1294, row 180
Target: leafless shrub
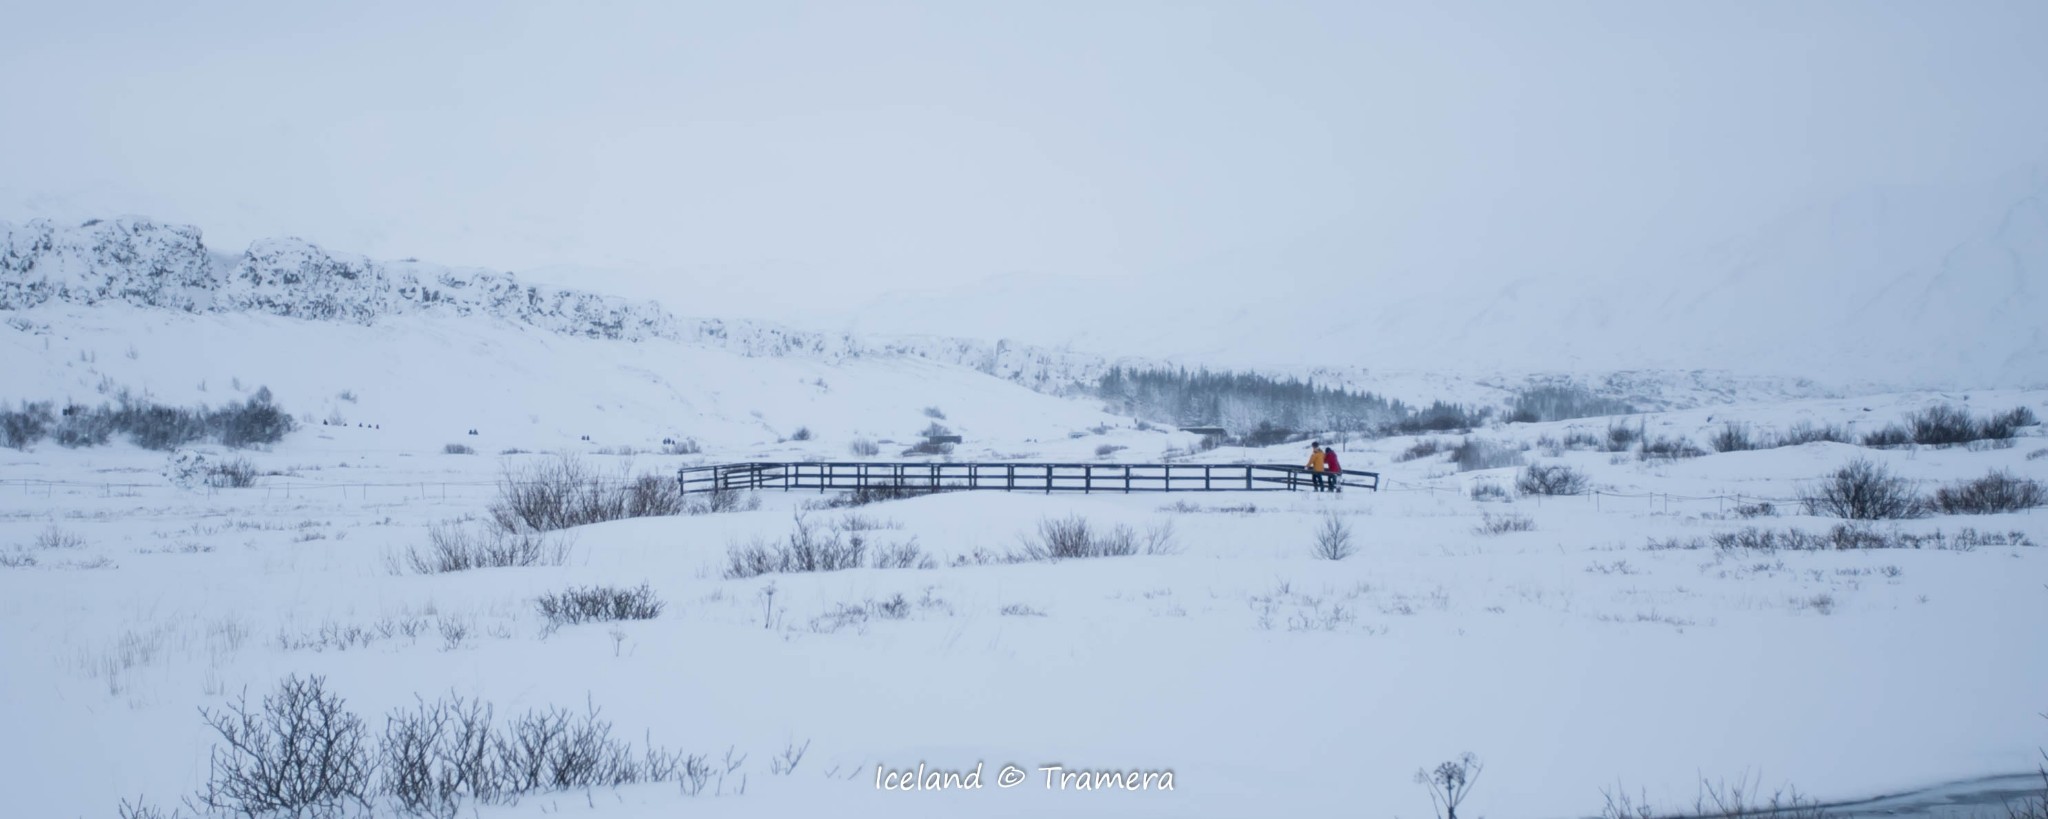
column 56, row 538
column 1106, row 450
column 562, row 492
column 864, row 448
column 1450, row 783
column 1074, row 537
column 1422, row 448
column 2038, row 454
column 454, row 547
column 724, row 499
column 1760, row 509
column 300, row 754
column 1553, row 479
column 801, row 434
column 1669, row 449
column 809, row 548
column 1733, row 437
column 1890, row 436
column 1021, row 610
column 1621, row 437
column 1806, row 432
column 231, row 474
column 935, row 413
column 17, row 560
column 1489, row 491
column 458, row 449
column 1492, row 524
column 577, row 605
column 683, row 446
column 1999, row 491
column 1862, row 490
column 1333, row 539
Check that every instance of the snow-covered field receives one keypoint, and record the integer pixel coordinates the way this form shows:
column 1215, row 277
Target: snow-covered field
column 1569, row 657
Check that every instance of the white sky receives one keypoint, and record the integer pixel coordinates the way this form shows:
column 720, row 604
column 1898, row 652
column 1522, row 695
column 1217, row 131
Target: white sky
column 786, row 160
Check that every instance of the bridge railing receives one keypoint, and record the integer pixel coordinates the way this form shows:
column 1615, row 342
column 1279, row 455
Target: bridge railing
column 1009, row 476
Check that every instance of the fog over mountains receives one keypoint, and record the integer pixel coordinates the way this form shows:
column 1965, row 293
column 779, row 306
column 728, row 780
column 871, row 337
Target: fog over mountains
column 1902, row 287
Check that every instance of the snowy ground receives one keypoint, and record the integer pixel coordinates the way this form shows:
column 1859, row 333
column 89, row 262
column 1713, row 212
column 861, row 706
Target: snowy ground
column 1568, row 658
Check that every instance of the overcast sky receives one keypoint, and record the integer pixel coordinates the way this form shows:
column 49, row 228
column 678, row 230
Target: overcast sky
column 781, row 159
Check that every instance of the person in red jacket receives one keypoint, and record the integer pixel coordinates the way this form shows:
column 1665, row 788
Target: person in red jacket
column 1332, row 473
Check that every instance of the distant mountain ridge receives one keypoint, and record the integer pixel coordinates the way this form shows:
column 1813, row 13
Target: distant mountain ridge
column 144, row 263
column 153, row 265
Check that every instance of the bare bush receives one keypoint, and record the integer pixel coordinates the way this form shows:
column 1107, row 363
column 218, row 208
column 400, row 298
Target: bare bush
column 1999, row 491
column 1806, row 432
column 455, row 547
column 577, row 605
column 1552, row 479
column 1478, row 453
column 1489, row 491
column 1733, row 437
column 683, row 446
column 1862, row 490
column 935, row 412
column 653, row 496
column 1075, row 537
column 1621, row 437
column 300, row 754
column 1668, row 449
column 1890, row 436
column 1422, row 448
column 721, row 500
column 929, row 448
column 56, row 538
column 1450, row 783
column 838, row 546
column 458, row 449
column 1492, row 524
column 231, row 474
column 1106, row 450
column 1558, row 402
column 1333, row 539
column 1942, row 424
column 864, row 448
column 562, row 492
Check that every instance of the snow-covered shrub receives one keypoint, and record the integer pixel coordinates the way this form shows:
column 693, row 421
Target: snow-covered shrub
column 929, row 448
column 56, row 538
column 864, row 448
column 1492, row 524
column 2005, row 425
column 1733, row 437
column 23, row 427
column 1942, row 424
column 577, row 605
column 1760, row 509
column 841, row 545
column 1422, row 448
column 1479, row 453
column 935, row 412
column 1559, row 402
column 1999, row 491
column 562, row 492
column 455, row 547
column 1806, row 432
column 1621, row 437
column 653, row 496
column 1668, row 449
column 1862, row 490
column 231, row 474
column 301, row 753
column 1890, row 436
column 458, row 449
column 684, row 446
column 1333, row 539
column 1106, row 450
column 1489, row 491
column 801, row 434
column 1552, row 479
column 725, row 499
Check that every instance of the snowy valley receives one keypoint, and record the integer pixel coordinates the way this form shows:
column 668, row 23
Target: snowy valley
column 1672, row 613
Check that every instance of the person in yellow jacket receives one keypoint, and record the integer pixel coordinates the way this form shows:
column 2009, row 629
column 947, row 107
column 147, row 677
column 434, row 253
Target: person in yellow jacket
column 1315, row 464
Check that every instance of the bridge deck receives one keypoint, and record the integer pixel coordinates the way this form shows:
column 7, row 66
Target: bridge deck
column 1009, row 477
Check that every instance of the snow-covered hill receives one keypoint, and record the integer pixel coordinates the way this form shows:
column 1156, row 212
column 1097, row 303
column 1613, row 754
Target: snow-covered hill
column 141, row 263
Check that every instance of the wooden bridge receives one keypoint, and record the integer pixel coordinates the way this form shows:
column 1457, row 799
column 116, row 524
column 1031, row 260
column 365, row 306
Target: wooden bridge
column 1009, row 477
